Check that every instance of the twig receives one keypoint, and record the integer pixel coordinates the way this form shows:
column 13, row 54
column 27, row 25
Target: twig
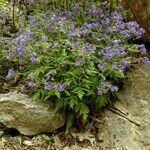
column 97, row 120
column 13, row 17
column 123, row 115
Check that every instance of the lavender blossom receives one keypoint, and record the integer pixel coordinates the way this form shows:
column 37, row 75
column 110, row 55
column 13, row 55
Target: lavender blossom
column 61, row 88
column 114, row 88
column 11, row 74
column 93, row 25
column 92, row 9
column 10, row 56
column 143, row 49
column 44, row 38
column 20, row 49
column 30, row 2
column 124, row 65
column 33, row 59
column 109, row 53
column 76, row 9
column 101, row 66
column 145, row 60
column 83, row 31
column 135, row 29
column 89, row 47
column 104, row 87
column 30, row 34
column 32, row 85
column 80, row 62
column 48, row 86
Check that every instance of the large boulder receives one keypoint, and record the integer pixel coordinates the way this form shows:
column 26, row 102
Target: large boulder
column 127, row 124
column 27, row 116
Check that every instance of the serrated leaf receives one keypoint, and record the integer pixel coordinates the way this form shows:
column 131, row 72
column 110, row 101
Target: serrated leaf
column 36, row 96
column 67, row 93
column 80, row 94
column 84, row 110
column 57, row 93
column 72, row 102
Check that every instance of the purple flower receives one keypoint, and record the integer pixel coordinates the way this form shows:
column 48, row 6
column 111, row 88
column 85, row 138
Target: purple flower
column 124, row 65
column 121, row 25
column 89, row 47
column 61, row 88
column 127, row 34
column 72, row 33
column 79, row 62
column 104, row 87
column 44, row 38
column 76, row 9
column 101, row 66
column 11, row 74
column 30, row 2
column 66, row 15
column 135, row 29
column 93, row 25
column 92, row 9
column 48, row 86
column 102, row 91
column 33, row 21
column 30, row 34
column 117, row 17
column 109, row 53
column 114, row 88
column 83, row 31
column 143, row 49
column 33, row 59
column 10, row 56
column 55, row 44
column 145, row 60
column 32, row 85
column 53, row 19
column 20, row 49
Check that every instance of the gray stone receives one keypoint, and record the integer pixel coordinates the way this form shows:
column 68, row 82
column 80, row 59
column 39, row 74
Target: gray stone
column 129, row 128
column 27, row 116
column 1, row 133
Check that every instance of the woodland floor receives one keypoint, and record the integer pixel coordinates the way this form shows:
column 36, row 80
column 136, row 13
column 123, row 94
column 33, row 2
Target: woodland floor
column 58, row 140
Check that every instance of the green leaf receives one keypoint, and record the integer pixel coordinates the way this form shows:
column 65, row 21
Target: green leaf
column 102, row 101
column 67, row 93
column 49, row 94
column 58, row 106
column 57, row 93
column 84, row 111
column 36, row 96
column 69, row 121
column 80, row 93
column 73, row 101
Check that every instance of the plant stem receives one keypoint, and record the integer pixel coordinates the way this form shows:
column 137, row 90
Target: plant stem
column 13, row 17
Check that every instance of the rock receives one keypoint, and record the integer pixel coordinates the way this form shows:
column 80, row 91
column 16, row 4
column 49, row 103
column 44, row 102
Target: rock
column 1, row 133
column 27, row 116
column 127, row 125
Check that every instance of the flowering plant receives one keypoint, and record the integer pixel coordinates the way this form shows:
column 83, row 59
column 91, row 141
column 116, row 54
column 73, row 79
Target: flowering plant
column 75, row 57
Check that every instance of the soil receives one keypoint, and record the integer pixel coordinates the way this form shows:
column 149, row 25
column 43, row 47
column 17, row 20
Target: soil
column 58, row 140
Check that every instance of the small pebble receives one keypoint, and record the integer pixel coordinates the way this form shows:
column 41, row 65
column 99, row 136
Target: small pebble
column 1, row 133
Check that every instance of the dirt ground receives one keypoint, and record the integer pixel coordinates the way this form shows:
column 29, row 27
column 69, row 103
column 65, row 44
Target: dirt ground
column 58, row 140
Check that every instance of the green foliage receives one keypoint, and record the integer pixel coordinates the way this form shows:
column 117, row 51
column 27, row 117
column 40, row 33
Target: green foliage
column 3, row 4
